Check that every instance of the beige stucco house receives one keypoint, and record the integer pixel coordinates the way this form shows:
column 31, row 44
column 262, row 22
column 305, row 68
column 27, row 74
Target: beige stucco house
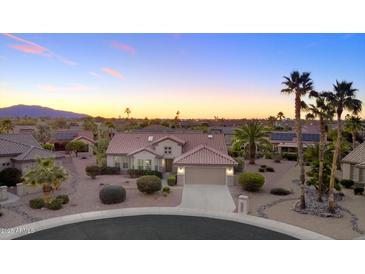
column 197, row 158
column 353, row 165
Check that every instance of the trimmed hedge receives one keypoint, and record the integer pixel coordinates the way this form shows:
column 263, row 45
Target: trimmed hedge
column 347, row 183
column 261, row 169
column 251, row 181
column 108, row 170
column 270, row 169
column 55, row 204
column 135, row 173
column 112, row 195
column 290, row 156
column 172, row 180
column 37, row 203
column 10, row 176
column 280, row 191
column 64, row 198
column 92, row 171
column 359, row 190
column 149, row 184
column 166, row 189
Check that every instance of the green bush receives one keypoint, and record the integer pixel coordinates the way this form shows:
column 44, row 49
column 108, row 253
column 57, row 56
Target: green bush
column 171, row 180
column 135, row 173
column 64, row 198
column 108, row 170
column 263, row 166
column 10, row 176
column 290, row 156
column 92, row 171
column 261, row 169
column 347, row 183
column 112, row 195
column 37, row 203
column 240, row 165
column 270, row 169
column 359, row 190
column 251, row 181
column 149, row 184
column 280, row 191
column 166, row 189
column 54, row 204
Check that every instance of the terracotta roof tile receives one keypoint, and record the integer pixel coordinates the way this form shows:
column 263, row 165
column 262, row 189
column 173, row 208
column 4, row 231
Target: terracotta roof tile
column 357, row 156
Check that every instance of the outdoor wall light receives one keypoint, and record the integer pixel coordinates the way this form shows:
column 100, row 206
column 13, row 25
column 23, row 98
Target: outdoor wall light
column 229, row 171
column 180, row 170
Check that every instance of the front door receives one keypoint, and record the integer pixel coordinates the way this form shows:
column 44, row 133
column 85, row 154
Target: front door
column 168, row 165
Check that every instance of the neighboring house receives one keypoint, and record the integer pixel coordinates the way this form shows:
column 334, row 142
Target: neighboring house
column 22, row 151
column 62, row 137
column 19, row 129
column 198, row 158
column 227, row 131
column 286, row 141
column 163, row 129
column 353, row 165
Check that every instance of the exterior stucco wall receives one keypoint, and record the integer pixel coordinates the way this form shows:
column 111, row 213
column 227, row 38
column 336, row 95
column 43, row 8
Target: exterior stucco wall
column 145, row 155
column 118, row 160
column 5, row 162
column 176, row 149
column 346, row 171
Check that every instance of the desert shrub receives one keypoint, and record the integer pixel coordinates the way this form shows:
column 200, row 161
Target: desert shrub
column 263, row 166
column 240, row 165
column 135, row 173
column 314, row 176
column 37, row 203
column 251, row 181
column 290, row 156
column 359, row 190
column 171, row 180
column 112, row 194
column 270, row 169
column 92, row 171
column 108, row 170
column 261, row 169
column 280, row 191
column 10, row 176
column 347, row 183
column 149, row 184
column 166, row 189
column 64, row 198
column 54, row 204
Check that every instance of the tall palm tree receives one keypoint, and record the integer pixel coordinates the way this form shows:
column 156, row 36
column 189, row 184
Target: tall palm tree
column 6, row 126
column 128, row 112
column 353, row 125
column 280, row 115
column 252, row 134
column 46, row 174
column 299, row 84
column 324, row 111
column 343, row 98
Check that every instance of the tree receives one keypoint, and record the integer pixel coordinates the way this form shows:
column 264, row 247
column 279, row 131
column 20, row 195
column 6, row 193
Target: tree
column 280, row 115
column 46, row 174
column 343, row 98
column 272, row 120
column 100, row 150
column 128, row 112
column 48, row 146
column 252, row 134
column 89, row 124
column 59, row 123
column 324, row 112
column 43, row 133
column 353, row 125
column 75, row 146
column 309, row 116
column 299, row 85
column 6, row 126
column 177, row 119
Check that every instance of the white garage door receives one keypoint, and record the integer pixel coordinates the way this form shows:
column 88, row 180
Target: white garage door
column 205, row 175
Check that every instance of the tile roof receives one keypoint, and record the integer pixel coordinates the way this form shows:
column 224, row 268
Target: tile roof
column 70, row 134
column 204, row 155
column 170, row 137
column 22, row 138
column 144, row 149
column 34, row 153
column 125, row 143
column 357, row 156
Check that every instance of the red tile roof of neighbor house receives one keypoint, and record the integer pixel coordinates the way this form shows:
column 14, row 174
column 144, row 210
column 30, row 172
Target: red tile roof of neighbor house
column 357, row 156
column 203, row 155
column 125, row 143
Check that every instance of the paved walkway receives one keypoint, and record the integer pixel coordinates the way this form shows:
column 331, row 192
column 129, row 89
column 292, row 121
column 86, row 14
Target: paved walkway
column 214, row 198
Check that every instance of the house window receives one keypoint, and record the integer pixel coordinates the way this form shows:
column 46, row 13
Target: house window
column 116, row 164
column 125, row 164
column 140, row 164
column 148, row 164
column 167, row 150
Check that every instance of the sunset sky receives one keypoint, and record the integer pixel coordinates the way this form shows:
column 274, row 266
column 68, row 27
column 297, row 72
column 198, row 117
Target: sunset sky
column 201, row 75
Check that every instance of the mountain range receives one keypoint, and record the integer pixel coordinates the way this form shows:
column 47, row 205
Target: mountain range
column 34, row 111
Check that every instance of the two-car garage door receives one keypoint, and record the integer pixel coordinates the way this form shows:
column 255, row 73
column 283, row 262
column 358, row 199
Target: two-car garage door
column 205, row 175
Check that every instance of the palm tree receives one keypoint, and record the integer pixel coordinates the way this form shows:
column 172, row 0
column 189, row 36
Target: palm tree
column 324, row 112
column 128, row 112
column 252, row 134
column 6, row 126
column 300, row 85
column 309, row 116
column 343, row 98
column 280, row 115
column 272, row 120
column 46, row 174
column 177, row 118
column 353, row 125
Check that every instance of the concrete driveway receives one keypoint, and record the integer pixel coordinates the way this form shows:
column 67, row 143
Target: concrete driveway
column 207, row 197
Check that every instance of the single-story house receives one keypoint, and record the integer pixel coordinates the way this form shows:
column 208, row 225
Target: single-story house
column 227, row 131
column 286, row 141
column 21, row 151
column 197, row 158
column 353, row 165
column 62, row 137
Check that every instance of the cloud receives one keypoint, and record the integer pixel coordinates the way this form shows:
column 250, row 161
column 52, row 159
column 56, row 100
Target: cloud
column 32, row 48
column 124, row 47
column 113, row 73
